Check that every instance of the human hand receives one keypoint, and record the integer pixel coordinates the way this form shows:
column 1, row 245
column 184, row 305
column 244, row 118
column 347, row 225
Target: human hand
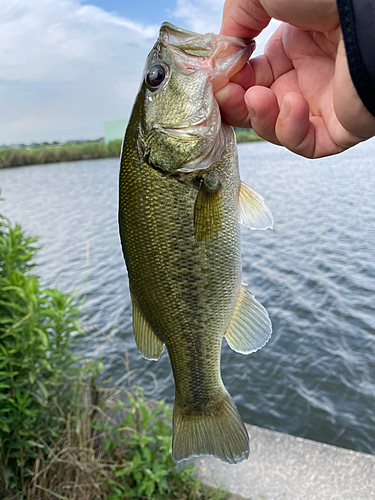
column 299, row 93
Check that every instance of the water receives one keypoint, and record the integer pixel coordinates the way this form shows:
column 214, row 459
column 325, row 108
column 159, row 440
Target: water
column 315, row 273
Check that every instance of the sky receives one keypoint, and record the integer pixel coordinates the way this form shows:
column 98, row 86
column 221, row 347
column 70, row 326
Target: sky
column 67, row 66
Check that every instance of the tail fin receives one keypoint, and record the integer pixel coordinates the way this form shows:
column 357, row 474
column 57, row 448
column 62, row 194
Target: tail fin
column 219, row 432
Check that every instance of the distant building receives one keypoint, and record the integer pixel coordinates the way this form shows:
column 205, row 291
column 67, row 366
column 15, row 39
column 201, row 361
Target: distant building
column 114, row 130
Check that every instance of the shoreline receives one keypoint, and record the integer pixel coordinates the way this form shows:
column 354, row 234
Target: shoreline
column 90, row 150
column 282, row 466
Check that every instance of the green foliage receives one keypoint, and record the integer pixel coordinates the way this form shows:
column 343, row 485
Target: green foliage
column 147, row 469
column 57, row 435
column 246, row 135
column 10, row 157
column 145, row 440
column 36, row 366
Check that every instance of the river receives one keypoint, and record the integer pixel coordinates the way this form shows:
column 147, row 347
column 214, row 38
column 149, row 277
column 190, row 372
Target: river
column 315, row 274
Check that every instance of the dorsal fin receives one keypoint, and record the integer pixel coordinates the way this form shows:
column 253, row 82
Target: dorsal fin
column 250, row 326
column 149, row 345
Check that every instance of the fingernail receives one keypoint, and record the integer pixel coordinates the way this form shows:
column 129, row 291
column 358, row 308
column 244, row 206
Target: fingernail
column 251, row 112
column 284, row 109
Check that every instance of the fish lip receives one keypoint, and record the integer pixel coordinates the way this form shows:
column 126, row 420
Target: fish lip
column 200, row 129
column 209, row 128
column 199, row 115
column 189, row 129
column 219, row 55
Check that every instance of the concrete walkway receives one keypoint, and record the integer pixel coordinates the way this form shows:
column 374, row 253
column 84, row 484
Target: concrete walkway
column 283, row 467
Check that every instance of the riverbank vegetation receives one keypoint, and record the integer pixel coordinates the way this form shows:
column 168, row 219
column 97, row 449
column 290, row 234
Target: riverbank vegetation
column 62, row 434
column 90, row 150
column 246, row 135
column 38, row 155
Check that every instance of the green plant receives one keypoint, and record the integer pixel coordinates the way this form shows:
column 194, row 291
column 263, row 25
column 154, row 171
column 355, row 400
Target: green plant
column 246, row 135
column 36, row 364
column 10, row 157
column 59, row 430
column 145, row 440
column 147, row 469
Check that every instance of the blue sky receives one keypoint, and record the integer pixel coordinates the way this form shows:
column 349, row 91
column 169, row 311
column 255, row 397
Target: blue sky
column 67, row 66
column 144, row 11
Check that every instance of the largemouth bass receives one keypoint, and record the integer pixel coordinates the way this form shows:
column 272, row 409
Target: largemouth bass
column 181, row 202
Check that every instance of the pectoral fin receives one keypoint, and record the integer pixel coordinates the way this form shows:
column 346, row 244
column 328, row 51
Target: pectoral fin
column 254, row 213
column 207, row 214
column 149, row 345
column 250, row 326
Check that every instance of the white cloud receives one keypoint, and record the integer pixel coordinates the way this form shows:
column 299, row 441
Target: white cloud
column 202, row 16
column 43, row 39
column 205, row 16
column 66, row 67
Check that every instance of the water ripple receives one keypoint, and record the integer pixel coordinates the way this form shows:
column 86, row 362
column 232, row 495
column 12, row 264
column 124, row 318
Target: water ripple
column 315, row 273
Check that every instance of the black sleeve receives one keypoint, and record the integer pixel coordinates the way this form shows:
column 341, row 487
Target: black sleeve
column 357, row 18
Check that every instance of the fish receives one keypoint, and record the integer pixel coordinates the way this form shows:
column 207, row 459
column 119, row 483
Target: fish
column 181, row 202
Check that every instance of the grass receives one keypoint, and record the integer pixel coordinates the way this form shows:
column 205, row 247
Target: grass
column 38, row 155
column 246, row 135
column 62, row 434
column 102, row 457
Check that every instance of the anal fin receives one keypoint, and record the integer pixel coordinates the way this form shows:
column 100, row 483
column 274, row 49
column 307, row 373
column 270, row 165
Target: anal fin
column 250, row 327
column 254, row 212
column 149, row 345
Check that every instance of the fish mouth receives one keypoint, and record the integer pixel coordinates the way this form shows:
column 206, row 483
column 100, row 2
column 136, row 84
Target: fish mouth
column 218, row 55
column 217, row 58
column 212, row 131
column 206, row 112
column 212, row 155
column 204, row 122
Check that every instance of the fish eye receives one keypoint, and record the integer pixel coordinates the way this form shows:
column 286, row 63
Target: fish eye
column 156, row 75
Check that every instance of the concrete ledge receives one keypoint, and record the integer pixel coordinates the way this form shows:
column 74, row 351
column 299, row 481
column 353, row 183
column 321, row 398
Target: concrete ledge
column 291, row 468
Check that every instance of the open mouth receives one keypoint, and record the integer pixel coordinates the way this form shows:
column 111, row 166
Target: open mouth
column 205, row 122
column 213, row 154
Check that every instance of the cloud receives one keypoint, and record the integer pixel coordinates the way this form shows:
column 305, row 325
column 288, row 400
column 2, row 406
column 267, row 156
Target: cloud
column 205, row 16
column 202, row 16
column 67, row 66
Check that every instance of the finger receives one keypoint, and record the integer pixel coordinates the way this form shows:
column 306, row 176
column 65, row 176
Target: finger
column 275, row 53
column 272, row 65
column 293, row 128
column 263, row 74
column 302, row 133
column 245, row 77
column 320, row 15
column 263, row 110
column 243, row 19
column 232, row 105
